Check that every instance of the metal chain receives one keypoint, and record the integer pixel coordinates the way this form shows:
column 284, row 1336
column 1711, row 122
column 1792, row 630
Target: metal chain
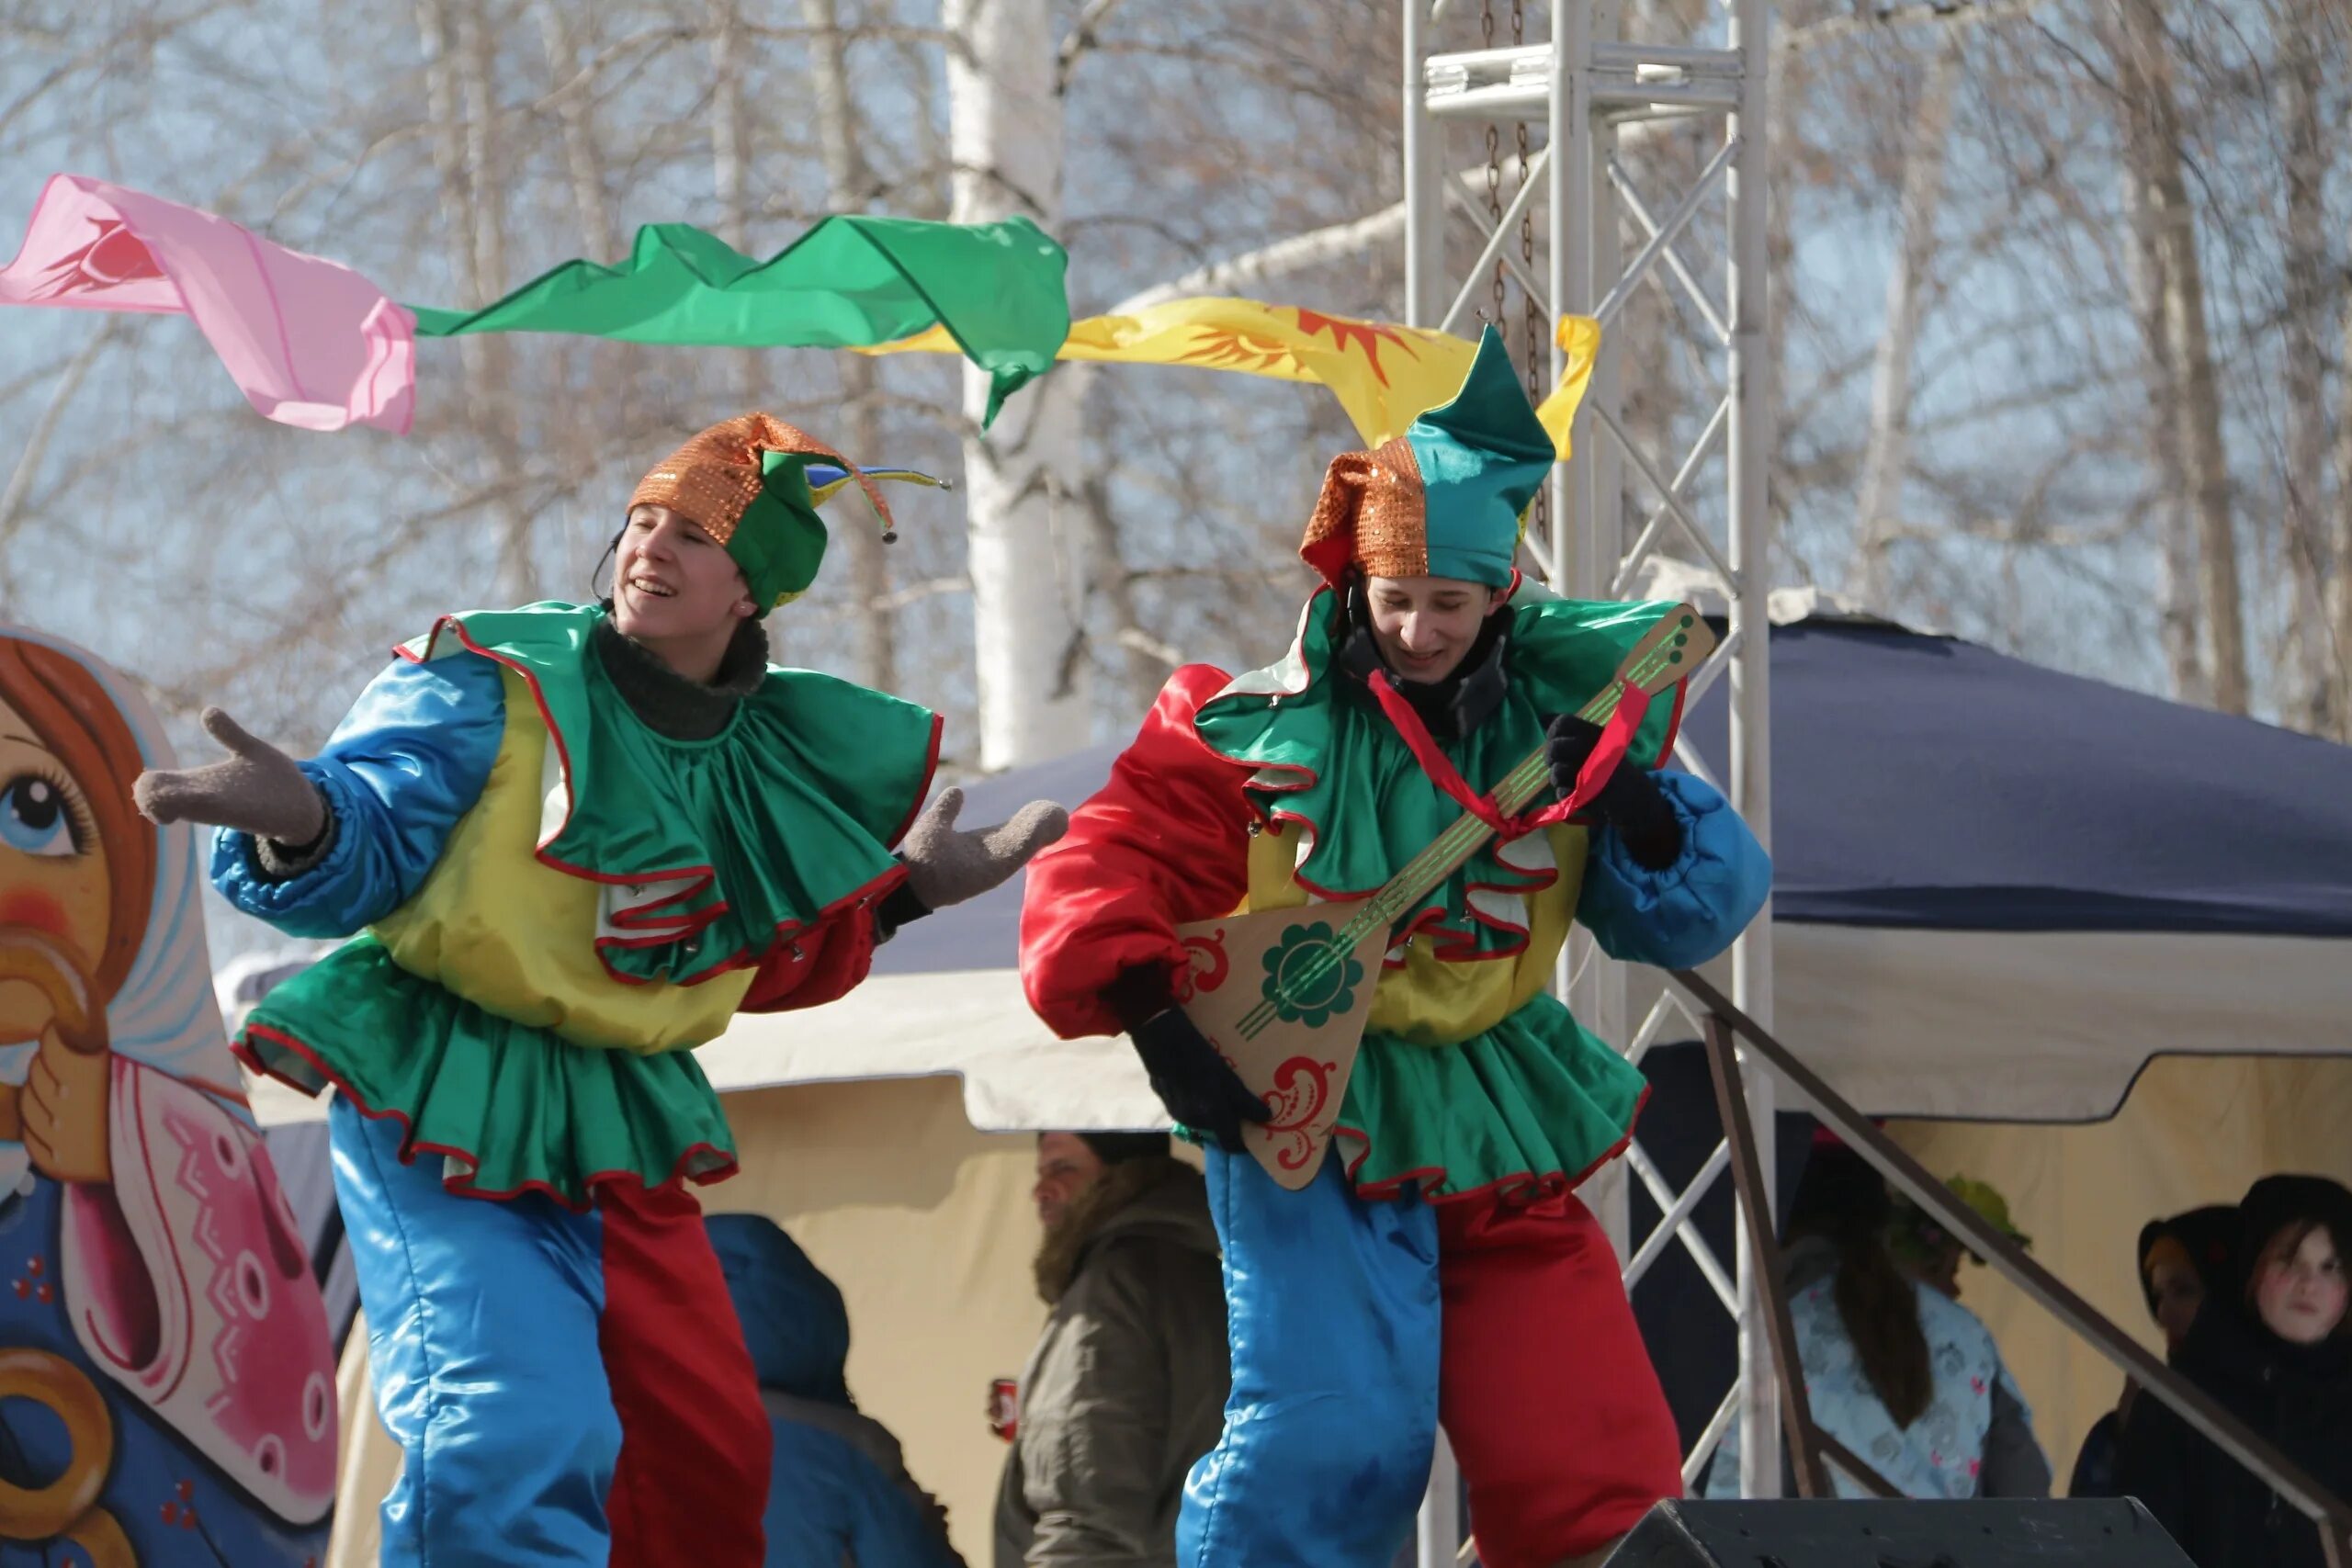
column 1538, row 357
column 1494, row 160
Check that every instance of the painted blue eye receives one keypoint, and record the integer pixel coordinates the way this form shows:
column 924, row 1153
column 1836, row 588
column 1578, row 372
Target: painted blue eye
column 35, row 816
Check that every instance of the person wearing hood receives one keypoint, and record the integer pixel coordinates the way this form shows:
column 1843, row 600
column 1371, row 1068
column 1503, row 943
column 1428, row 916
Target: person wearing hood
column 838, row 1495
column 2181, row 1260
column 1126, row 1386
column 2273, row 1347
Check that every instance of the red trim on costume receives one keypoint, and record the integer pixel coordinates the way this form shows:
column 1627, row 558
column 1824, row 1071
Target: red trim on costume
column 930, row 768
column 462, row 1185
column 702, row 875
column 1525, row 1181
column 1432, row 914
column 1460, row 945
column 749, row 957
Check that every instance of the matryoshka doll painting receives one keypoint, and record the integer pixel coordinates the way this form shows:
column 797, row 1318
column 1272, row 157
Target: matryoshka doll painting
column 166, row 1376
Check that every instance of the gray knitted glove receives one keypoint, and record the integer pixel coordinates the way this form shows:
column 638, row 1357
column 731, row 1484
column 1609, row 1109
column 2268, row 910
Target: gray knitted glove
column 259, row 790
column 945, row 867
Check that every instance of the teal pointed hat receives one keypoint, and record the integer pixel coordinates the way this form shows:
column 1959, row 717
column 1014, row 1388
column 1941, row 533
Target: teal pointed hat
column 1445, row 499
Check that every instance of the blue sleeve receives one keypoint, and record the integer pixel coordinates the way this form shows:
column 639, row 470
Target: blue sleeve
column 829, row 1502
column 886, row 1528
column 408, row 759
column 1684, row 915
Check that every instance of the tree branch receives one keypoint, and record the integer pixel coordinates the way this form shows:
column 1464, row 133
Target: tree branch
column 1244, row 273
column 36, row 447
column 1082, row 37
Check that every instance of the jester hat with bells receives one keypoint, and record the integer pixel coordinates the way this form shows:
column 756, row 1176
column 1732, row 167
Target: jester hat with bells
column 754, row 484
column 1448, row 498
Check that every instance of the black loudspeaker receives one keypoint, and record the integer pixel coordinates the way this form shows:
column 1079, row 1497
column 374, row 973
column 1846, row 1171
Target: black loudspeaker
column 2085, row 1533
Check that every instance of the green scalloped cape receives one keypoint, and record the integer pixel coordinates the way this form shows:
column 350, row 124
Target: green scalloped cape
column 679, row 863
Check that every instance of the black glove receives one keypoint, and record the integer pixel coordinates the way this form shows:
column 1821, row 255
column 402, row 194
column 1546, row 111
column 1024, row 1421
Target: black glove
column 1196, row 1085
column 1199, row 1087
column 1630, row 802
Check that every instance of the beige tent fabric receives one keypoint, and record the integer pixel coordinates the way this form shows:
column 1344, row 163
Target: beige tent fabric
column 2195, row 1130
column 369, row 1464
column 926, row 1226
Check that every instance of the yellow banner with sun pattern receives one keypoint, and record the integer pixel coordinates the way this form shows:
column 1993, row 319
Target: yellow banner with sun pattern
column 1383, row 375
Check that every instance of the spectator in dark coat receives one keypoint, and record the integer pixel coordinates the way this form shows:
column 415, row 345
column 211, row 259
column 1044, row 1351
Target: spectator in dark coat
column 2274, row 1349
column 838, row 1495
column 2181, row 1260
column 1126, row 1387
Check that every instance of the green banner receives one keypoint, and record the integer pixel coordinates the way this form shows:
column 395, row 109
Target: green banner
column 850, row 282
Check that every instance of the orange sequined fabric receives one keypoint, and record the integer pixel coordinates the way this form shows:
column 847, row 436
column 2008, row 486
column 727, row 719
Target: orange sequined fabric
column 1372, row 513
column 715, row 475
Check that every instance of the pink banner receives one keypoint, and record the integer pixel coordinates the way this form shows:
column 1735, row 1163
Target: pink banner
column 309, row 342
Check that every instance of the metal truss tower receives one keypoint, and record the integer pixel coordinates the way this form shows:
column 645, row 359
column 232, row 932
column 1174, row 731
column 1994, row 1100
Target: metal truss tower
column 1571, row 104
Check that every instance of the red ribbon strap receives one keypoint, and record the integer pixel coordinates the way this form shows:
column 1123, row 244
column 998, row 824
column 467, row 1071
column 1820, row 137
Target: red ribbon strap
column 1616, row 738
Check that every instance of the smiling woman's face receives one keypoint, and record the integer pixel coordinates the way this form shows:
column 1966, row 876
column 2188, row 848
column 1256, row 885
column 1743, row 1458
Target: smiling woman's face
column 671, row 579
column 1425, row 626
column 52, row 866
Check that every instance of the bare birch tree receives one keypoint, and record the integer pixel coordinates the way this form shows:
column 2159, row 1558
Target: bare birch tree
column 2310, row 660
column 2152, row 128
column 1887, row 460
column 1005, row 136
column 850, row 182
column 2177, row 597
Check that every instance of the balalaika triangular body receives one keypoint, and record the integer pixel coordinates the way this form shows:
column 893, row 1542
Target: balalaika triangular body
column 1283, row 994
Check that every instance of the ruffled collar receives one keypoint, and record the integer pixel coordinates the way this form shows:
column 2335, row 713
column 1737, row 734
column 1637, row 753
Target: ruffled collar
column 668, row 703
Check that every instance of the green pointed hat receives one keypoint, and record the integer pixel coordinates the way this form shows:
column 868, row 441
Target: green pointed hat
column 1445, row 499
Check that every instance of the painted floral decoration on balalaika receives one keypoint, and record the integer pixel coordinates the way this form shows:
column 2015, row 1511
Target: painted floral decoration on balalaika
column 1294, row 1040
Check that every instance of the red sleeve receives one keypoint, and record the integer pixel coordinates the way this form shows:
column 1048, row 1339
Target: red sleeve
column 831, row 959
column 1165, row 843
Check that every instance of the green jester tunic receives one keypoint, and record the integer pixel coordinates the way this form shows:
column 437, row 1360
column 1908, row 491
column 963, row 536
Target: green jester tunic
column 1472, row 1076
column 559, row 900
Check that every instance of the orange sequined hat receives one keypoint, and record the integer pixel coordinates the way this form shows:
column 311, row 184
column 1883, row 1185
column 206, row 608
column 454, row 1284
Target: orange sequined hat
column 1448, row 497
column 754, row 484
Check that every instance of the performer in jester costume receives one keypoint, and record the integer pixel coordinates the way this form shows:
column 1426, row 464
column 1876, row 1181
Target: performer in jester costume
column 1440, row 1267
column 579, row 838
